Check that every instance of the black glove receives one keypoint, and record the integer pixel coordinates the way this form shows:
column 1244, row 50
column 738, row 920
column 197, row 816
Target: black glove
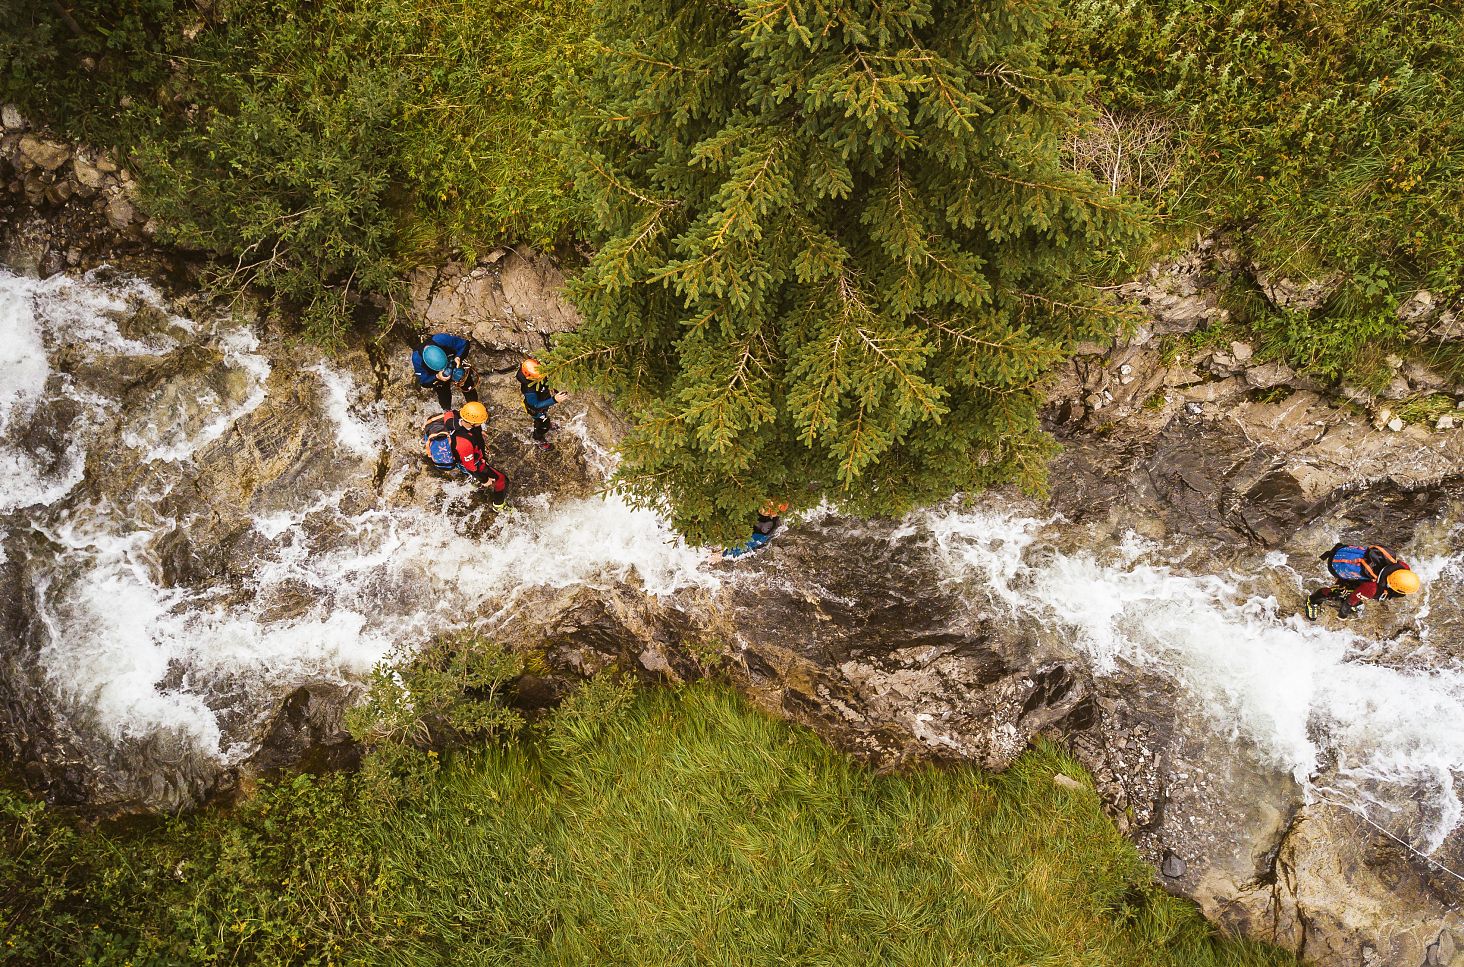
column 1346, row 610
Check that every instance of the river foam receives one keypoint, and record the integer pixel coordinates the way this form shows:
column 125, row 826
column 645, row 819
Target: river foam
column 195, row 667
column 36, row 318
column 1309, row 696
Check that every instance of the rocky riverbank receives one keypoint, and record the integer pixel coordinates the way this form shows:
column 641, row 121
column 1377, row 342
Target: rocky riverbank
column 237, row 530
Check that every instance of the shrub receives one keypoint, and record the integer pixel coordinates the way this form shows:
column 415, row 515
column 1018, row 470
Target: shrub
column 1324, row 132
column 319, row 147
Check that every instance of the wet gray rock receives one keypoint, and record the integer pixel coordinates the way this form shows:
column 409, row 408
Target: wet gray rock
column 1418, row 308
column 1178, row 297
column 1172, row 866
column 120, row 212
column 511, row 301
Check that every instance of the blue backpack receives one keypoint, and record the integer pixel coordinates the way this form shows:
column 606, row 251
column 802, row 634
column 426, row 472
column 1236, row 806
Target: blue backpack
column 1351, row 563
column 437, row 440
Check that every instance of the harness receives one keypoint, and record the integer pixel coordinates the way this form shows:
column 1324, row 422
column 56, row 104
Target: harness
column 1357, row 565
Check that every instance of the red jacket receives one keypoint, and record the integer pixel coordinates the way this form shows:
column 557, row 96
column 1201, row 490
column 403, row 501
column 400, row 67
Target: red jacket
column 471, row 458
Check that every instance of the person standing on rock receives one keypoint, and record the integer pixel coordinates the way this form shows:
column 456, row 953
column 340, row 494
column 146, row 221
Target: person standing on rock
column 439, row 362
column 1361, row 572
column 538, row 397
column 769, row 519
column 454, row 441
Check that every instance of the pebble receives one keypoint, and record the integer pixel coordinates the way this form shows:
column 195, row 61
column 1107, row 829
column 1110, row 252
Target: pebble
column 1395, row 424
column 1173, row 867
column 1445, row 422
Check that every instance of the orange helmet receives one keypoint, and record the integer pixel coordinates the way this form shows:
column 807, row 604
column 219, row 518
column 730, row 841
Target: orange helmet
column 531, row 369
column 1403, row 581
column 474, row 414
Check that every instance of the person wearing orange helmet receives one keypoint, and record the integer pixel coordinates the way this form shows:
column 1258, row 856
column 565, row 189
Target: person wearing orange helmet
column 769, row 519
column 538, row 397
column 454, row 441
column 1361, row 572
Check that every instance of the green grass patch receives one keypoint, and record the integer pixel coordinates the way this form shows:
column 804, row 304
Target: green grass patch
column 1425, row 408
column 1324, row 134
column 668, row 827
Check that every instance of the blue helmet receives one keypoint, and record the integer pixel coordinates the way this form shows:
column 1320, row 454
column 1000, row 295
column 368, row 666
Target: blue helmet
column 435, row 358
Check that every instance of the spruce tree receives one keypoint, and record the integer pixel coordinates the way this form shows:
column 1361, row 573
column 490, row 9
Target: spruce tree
column 838, row 250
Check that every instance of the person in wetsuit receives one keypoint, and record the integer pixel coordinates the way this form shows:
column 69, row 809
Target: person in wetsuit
column 440, row 364
column 1360, row 573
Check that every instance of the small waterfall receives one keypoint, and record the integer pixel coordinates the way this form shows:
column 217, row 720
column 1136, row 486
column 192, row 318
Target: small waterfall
column 1342, row 713
column 193, row 665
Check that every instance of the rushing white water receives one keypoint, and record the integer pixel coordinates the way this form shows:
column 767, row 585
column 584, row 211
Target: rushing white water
column 1305, row 694
column 37, row 317
column 360, row 426
column 136, row 656
column 178, row 437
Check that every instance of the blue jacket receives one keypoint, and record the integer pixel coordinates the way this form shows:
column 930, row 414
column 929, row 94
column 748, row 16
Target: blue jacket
column 452, row 345
column 762, row 534
column 537, row 395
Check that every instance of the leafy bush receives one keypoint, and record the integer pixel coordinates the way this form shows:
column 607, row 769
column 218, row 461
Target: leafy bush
column 316, row 146
column 1325, row 132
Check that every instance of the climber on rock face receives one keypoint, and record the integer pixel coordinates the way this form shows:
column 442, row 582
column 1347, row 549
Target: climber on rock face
column 439, row 364
column 769, row 519
column 538, row 397
column 454, row 441
column 1361, row 572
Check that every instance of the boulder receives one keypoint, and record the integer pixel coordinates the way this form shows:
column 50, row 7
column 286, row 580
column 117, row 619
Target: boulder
column 1268, row 375
column 11, row 119
column 1419, row 307
column 1296, row 295
column 120, row 212
column 38, row 152
column 512, row 301
column 86, row 173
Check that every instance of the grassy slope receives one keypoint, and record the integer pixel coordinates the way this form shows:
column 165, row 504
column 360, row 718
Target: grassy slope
column 664, row 827
column 1326, row 135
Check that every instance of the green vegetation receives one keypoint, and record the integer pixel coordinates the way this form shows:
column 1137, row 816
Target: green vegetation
column 1425, row 408
column 1326, row 135
column 838, row 250
column 316, row 147
column 838, row 247
column 673, row 827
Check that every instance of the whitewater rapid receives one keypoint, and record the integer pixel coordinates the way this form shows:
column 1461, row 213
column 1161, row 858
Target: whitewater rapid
column 358, row 569
column 195, row 669
column 1313, row 697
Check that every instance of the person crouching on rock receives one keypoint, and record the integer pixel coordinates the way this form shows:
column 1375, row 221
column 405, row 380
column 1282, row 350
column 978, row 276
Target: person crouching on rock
column 538, row 397
column 769, row 519
column 439, row 364
column 454, row 441
column 1361, row 572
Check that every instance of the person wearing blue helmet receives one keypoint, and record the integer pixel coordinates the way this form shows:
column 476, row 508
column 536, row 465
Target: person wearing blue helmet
column 439, row 362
